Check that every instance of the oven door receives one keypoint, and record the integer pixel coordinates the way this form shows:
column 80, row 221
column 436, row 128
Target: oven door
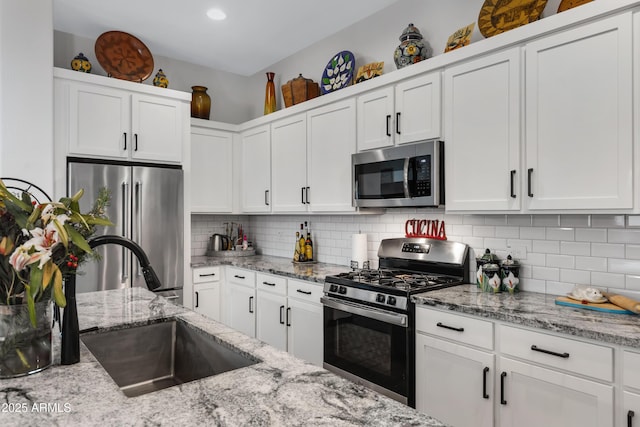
column 367, row 345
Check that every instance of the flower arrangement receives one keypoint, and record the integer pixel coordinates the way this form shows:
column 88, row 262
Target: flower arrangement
column 42, row 243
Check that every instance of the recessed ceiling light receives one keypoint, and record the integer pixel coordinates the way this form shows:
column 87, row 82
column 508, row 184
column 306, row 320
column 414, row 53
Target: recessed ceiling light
column 216, row 14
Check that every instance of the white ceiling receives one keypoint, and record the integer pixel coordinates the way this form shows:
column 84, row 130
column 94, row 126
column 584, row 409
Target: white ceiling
column 255, row 35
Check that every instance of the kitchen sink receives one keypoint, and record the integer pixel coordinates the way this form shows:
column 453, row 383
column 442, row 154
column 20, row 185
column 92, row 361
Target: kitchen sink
column 144, row 359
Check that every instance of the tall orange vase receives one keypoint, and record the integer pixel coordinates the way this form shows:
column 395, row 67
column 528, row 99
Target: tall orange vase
column 270, row 95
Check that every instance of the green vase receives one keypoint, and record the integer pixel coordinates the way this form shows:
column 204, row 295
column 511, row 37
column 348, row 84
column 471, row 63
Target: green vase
column 24, row 348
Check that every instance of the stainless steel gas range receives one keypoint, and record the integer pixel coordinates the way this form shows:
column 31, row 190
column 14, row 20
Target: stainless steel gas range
column 369, row 319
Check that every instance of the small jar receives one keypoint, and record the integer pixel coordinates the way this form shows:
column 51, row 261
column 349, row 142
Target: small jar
column 487, row 258
column 510, row 272
column 492, row 280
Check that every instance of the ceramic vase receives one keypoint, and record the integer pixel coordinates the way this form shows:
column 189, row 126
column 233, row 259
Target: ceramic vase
column 24, row 348
column 81, row 63
column 161, row 80
column 412, row 48
column 270, row 95
column 200, row 102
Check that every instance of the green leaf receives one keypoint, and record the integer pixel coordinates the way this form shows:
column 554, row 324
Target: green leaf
column 58, row 294
column 77, row 239
column 347, row 57
column 94, row 220
column 326, row 80
column 35, row 280
column 31, row 306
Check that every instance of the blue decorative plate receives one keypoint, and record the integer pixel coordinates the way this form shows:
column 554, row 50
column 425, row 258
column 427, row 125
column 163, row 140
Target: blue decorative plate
column 338, row 73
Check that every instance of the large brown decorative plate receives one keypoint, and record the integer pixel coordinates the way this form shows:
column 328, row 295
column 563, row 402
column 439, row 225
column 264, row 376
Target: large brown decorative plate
column 569, row 4
column 123, row 56
column 498, row 16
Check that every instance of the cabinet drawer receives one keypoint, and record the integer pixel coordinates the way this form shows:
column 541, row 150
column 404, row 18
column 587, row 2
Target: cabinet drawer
column 563, row 353
column 306, row 291
column 466, row 330
column 241, row 277
column 268, row 282
column 631, row 373
column 206, row 274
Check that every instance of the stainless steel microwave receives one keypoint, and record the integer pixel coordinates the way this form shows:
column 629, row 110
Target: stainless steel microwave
column 407, row 175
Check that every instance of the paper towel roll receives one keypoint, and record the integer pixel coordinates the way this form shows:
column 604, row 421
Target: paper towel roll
column 359, row 248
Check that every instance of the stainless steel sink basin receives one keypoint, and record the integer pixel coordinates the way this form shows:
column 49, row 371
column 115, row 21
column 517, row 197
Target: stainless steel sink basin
column 144, row 359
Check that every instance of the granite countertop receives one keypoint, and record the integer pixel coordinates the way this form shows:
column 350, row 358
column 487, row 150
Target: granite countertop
column 537, row 311
column 279, row 391
column 314, row 272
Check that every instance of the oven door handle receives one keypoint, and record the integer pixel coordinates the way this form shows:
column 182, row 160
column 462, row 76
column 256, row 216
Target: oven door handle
column 370, row 312
column 405, row 178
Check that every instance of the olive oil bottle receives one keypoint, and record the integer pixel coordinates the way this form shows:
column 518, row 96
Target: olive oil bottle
column 303, row 249
column 308, row 246
column 296, row 253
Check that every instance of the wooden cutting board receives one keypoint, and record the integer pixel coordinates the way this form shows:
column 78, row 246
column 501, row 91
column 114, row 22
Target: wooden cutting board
column 605, row 307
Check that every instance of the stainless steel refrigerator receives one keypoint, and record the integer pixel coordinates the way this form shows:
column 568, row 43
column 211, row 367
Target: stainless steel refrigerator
column 147, row 207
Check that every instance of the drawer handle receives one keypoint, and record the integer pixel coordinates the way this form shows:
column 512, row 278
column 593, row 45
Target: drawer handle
column 442, row 325
column 282, row 314
column 206, row 275
column 268, row 284
column 288, row 316
column 197, row 299
column 512, row 183
column 303, row 292
column 553, row 353
column 388, row 120
column 485, row 371
column 502, row 377
column 239, row 277
column 398, row 123
column 630, row 416
column 250, row 304
column 529, row 173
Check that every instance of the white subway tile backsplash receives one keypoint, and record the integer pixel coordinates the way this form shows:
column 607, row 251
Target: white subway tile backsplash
column 535, row 259
column 545, row 273
column 632, row 252
column 624, row 266
column 473, row 219
column 559, row 288
column 495, row 220
column 546, row 246
column 607, row 280
column 591, row 263
column 575, row 221
column 519, row 220
column 579, row 277
column 632, row 282
column 562, row 261
column 564, row 233
column 495, row 244
column 607, row 221
column 533, row 285
column 509, row 232
column 534, row 233
column 546, row 220
column 624, row 236
column 459, row 229
column 575, row 248
column 484, row 231
column 607, row 250
column 591, row 234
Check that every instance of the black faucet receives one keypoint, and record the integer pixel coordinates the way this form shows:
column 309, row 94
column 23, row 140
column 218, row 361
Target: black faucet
column 70, row 348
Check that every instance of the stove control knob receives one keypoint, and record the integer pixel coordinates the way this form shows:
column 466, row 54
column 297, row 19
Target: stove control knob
column 380, row 298
column 342, row 290
column 333, row 288
column 391, row 300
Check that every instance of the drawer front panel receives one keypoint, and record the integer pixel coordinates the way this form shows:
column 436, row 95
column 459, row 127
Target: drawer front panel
column 271, row 283
column 206, row 274
column 557, row 352
column 306, row 291
column 631, row 371
column 241, row 277
column 466, row 330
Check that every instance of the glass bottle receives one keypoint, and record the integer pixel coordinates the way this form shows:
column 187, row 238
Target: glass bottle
column 308, row 246
column 270, row 95
column 296, row 253
column 303, row 244
column 200, row 103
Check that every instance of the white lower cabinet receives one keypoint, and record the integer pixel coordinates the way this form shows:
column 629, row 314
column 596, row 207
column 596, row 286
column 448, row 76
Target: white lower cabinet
column 240, row 300
column 631, row 409
column 526, row 378
column 630, row 413
column 206, row 291
column 271, row 310
column 304, row 321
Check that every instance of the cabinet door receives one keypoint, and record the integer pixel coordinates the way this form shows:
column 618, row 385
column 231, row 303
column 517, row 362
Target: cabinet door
column 211, row 170
column 305, row 331
column 331, row 140
column 631, row 409
column 448, row 374
column 417, row 107
column 531, row 396
column 206, row 297
column 99, row 121
column 579, row 118
column 482, row 133
column 375, row 119
column 241, row 309
column 270, row 319
column 157, row 126
column 289, row 164
column 256, row 170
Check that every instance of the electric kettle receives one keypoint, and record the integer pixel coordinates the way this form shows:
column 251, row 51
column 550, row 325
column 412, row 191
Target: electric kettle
column 218, row 242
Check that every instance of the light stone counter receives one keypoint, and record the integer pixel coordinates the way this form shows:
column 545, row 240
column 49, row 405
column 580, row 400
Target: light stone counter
column 279, row 391
column 314, row 272
column 537, row 310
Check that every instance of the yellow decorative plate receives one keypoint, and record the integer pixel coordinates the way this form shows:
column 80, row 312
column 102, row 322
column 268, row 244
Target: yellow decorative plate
column 569, row 4
column 498, row 16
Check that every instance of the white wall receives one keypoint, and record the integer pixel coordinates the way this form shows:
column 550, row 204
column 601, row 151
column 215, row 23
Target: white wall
column 375, row 39
column 26, row 91
column 228, row 92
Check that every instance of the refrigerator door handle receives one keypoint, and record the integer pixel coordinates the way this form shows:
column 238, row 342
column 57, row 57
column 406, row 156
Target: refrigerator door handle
column 139, row 220
column 125, row 207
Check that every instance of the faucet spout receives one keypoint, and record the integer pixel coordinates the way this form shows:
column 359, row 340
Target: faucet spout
column 150, row 276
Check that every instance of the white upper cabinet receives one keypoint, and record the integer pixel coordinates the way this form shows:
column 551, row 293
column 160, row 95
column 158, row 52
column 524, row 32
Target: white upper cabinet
column 482, row 133
column 331, row 140
column 400, row 114
column 579, row 123
column 211, row 170
column 99, row 118
column 256, row 169
column 289, row 164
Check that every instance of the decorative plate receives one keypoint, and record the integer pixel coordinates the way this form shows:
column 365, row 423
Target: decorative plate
column 369, row 71
column 588, row 299
column 498, row 16
column 569, row 4
column 338, row 73
column 123, row 56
